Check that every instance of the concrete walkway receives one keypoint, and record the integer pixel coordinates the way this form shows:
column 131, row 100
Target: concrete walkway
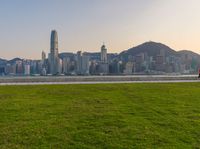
column 96, row 79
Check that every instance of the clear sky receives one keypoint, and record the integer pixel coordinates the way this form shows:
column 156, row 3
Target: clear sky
column 25, row 25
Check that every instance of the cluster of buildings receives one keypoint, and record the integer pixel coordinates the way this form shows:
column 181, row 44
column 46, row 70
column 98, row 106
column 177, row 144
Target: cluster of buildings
column 142, row 63
column 101, row 63
column 77, row 64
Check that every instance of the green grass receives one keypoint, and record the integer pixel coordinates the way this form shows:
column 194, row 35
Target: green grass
column 100, row 116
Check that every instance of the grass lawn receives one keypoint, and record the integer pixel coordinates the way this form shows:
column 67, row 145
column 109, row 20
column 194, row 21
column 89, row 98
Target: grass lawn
column 100, row 116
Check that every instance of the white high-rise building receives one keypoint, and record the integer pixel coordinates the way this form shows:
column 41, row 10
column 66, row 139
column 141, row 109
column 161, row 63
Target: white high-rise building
column 79, row 62
column 27, row 69
column 104, row 57
column 83, row 64
column 66, row 65
column 104, row 67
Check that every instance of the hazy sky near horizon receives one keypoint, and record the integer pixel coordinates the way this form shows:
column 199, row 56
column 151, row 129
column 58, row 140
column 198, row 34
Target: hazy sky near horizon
column 25, row 25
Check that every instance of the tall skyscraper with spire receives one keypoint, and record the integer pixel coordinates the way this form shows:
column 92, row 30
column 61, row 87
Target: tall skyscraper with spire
column 53, row 56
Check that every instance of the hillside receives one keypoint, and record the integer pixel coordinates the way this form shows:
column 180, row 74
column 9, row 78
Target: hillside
column 151, row 48
column 190, row 54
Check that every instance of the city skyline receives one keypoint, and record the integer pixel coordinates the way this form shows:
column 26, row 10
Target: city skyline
column 121, row 25
column 147, row 58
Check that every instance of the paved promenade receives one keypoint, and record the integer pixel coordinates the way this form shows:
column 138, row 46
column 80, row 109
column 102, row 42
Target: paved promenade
column 39, row 80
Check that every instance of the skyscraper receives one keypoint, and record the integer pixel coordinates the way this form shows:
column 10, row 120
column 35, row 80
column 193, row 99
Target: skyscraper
column 82, row 63
column 43, row 57
column 79, row 62
column 66, row 65
column 104, row 58
column 85, row 64
column 53, row 56
column 104, row 67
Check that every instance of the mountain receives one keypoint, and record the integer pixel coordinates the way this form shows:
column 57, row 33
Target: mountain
column 151, row 48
